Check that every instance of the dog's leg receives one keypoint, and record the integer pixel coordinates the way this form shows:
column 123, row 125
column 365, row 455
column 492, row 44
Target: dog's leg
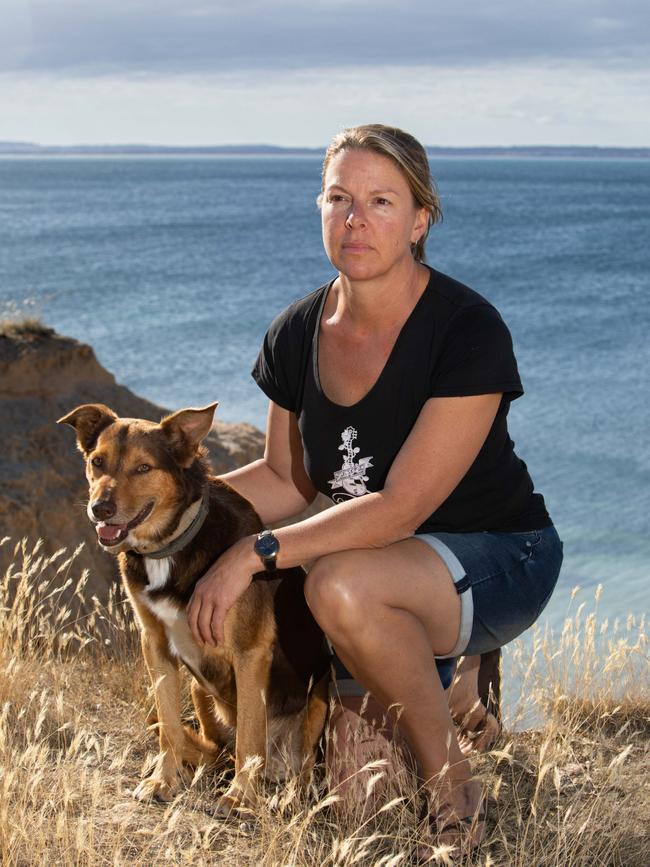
column 199, row 751
column 163, row 782
column 251, row 675
column 315, row 716
column 215, row 736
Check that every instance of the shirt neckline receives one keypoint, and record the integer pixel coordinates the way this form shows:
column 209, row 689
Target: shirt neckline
column 399, row 339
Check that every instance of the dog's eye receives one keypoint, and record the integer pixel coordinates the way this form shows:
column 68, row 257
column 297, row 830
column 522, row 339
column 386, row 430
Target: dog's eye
column 97, row 461
column 143, row 468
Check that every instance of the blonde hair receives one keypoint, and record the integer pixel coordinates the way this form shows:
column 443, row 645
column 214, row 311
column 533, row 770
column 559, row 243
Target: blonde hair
column 408, row 155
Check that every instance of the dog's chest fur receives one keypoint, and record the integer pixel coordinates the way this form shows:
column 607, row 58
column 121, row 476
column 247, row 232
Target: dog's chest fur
column 172, row 615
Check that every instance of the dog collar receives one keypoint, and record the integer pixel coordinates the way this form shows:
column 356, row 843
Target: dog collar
column 186, row 536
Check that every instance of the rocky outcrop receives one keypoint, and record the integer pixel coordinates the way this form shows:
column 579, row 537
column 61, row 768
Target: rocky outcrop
column 42, row 487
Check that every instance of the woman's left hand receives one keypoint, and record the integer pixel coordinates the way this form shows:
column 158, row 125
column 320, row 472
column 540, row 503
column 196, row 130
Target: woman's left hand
column 218, row 590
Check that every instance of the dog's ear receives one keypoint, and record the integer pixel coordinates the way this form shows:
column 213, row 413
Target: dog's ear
column 89, row 420
column 185, row 429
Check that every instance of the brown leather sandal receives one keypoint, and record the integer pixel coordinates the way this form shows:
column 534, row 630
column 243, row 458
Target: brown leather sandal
column 463, row 829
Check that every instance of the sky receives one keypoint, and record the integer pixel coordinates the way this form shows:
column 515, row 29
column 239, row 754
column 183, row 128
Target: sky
column 293, row 72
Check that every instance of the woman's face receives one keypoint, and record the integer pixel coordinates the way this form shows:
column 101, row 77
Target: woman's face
column 369, row 216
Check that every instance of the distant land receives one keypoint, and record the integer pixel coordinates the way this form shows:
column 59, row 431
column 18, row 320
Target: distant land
column 558, row 151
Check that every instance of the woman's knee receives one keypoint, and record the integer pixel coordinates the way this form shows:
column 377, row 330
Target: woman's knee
column 334, row 594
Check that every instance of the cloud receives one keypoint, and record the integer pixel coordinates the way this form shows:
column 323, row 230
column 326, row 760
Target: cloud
column 294, row 71
column 182, row 36
column 514, row 104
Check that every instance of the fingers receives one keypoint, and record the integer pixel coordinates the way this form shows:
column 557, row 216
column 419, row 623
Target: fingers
column 216, row 627
column 205, row 618
column 214, row 595
column 207, row 613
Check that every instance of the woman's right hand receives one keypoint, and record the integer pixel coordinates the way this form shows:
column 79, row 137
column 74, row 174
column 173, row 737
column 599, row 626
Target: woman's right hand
column 218, row 590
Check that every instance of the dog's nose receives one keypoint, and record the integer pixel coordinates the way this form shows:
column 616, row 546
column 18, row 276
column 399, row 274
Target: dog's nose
column 103, row 509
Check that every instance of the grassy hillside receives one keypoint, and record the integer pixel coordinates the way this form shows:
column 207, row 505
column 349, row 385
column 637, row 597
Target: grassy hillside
column 74, row 697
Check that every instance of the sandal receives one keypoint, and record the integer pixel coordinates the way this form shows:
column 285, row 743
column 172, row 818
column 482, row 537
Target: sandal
column 468, row 833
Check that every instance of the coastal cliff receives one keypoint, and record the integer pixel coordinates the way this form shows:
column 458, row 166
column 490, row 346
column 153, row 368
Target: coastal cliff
column 43, row 492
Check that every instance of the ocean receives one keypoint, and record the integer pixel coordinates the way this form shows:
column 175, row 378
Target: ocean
column 172, row 268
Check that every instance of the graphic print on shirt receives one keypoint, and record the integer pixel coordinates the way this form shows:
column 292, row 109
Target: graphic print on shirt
column 352, row 475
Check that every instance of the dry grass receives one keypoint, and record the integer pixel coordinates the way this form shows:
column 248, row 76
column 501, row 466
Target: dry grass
column 73, row 744
column 19, row 319
column 30, row 326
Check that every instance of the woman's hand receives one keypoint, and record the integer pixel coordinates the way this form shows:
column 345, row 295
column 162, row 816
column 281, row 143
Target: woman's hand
column 219, row 589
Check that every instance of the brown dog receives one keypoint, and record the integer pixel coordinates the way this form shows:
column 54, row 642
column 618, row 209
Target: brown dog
column 153, row 501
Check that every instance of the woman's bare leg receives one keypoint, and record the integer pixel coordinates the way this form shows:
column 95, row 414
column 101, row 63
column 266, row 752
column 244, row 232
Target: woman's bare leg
column 387, row 611
column 478, row 727
column 359, row 733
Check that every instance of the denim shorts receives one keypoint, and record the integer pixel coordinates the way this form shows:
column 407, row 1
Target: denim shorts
column 504, row 581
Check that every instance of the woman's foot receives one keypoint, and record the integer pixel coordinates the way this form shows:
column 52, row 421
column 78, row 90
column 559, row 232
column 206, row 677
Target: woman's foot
column 458, row 823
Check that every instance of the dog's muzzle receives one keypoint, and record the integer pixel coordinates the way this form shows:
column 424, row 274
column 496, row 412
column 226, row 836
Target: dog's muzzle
column 112, row 534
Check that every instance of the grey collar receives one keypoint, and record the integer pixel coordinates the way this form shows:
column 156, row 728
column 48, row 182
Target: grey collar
column 186, row 536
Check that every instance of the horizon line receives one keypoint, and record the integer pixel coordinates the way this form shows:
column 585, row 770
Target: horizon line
column 8, row 145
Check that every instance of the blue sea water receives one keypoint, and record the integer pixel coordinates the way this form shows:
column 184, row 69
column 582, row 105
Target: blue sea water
column 172, row 269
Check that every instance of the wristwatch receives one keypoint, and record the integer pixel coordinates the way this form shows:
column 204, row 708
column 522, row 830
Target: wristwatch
column 267, row 548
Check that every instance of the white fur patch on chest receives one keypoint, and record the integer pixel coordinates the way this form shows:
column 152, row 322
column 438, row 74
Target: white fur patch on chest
column 177, row 630
column 165, row 610
column 174, row 619
column 158, row 572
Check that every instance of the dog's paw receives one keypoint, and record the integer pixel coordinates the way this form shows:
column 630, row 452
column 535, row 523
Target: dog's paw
column 233, row 804
column 155, row 788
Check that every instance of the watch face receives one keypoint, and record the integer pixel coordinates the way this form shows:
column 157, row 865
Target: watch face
column 267, row 545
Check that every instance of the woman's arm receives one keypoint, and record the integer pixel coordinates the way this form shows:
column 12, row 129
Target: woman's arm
column 277, row 484
column 442, row 446
column 440, row 449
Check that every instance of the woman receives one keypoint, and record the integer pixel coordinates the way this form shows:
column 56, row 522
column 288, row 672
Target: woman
column 389, row 389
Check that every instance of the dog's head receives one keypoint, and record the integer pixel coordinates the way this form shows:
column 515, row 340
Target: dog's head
column 140, row 474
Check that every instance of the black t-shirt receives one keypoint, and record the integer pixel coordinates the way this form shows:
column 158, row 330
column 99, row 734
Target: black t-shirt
column 453, row 344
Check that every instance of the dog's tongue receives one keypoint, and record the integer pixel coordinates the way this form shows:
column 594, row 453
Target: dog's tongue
column 109, row 532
